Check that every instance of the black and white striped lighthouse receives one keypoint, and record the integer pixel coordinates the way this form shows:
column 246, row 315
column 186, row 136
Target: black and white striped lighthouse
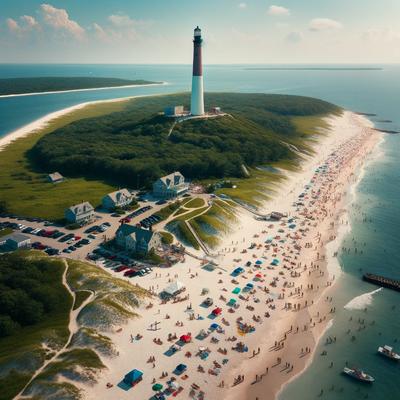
column 197, row 101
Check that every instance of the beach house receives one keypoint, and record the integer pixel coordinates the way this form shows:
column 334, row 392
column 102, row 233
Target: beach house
column 80, row 213
column 16, row 241
column 118, row 199
column 134, row 239
column 170, row 186
column 55, row 177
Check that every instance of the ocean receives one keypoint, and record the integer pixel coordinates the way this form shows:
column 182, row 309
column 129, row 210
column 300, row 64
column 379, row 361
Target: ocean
column 374, row 213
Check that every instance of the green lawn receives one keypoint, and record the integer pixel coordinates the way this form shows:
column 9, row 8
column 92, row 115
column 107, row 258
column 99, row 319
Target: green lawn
column 195, row 203
column 27, row 192
column 5, row 231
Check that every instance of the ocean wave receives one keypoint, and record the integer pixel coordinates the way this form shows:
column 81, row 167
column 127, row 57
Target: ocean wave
column 362, row 301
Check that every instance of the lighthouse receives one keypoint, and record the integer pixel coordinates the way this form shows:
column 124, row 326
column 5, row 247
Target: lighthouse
column 197, row 101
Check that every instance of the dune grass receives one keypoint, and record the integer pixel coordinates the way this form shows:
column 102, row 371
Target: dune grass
column 26, row 191
column 80, row 297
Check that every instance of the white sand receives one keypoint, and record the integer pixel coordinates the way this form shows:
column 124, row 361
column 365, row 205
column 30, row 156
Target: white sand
column 80, row 90
column 352, row 137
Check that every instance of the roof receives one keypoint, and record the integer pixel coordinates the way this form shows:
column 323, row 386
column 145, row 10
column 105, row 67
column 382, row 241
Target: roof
column 15, row 237
column 172, row 179
column 139, row 234
column 55, row 176
column 116, row 196
column 174, row 287
column 81, row 208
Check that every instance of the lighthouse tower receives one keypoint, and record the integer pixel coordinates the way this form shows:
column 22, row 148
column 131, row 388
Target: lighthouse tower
column 197, row 101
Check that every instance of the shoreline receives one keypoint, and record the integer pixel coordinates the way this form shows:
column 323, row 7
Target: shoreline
column 40, row 123
column 329, row 249
column 3, row 96
column 333, row 247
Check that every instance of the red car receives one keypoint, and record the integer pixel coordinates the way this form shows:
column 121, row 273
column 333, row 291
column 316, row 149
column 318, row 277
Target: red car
column 121, row 268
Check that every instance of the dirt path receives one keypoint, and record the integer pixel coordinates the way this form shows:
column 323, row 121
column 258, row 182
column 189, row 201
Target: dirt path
column 72, row 327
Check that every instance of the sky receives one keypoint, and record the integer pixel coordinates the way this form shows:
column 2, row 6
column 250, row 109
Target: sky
column 234, row 32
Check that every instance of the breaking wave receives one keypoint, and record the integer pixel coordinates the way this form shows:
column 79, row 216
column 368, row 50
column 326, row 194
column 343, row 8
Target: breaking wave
column 362, row 301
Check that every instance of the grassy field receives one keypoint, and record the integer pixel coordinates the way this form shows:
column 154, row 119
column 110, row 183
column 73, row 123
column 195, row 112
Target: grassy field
column 195, row 203
column 5, row 231
column 27, row 192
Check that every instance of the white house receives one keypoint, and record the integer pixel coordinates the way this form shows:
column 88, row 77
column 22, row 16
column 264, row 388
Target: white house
column 119, row 198
column 170, row 186
column 16, row 241
column 134, row 239
column 55, row 177
column 80, row 213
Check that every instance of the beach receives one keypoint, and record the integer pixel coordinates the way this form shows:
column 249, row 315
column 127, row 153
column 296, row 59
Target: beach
column 80, row 90
column 264, row 323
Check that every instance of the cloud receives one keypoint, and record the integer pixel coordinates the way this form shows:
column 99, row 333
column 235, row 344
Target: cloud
column 294, row 37
column 242, row 5
column 323, row 24
column 278, row 11
column 30, row 21
column 122, row 21
column 58, row 19
column 12, row 25
column 27, row 24
column 379, row 35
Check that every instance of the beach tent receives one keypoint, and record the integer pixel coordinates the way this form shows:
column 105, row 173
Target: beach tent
column 236, row 290
column 231, row 302
column 186, row 338
column 214, row 327
column 174, row 288
column 133, row 377
column 180, row 369
column 157, row 387
column 217, row 311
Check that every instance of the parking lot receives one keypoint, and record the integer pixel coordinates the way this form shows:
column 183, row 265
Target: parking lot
column 77, row 244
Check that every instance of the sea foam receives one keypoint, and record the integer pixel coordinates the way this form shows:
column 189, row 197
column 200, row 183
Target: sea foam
column 362, row 301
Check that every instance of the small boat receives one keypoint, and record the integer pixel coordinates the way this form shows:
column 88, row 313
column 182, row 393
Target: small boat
column 387, row 351
column 358, row 374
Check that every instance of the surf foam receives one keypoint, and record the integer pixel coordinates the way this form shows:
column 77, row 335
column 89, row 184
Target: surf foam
column 362, row 301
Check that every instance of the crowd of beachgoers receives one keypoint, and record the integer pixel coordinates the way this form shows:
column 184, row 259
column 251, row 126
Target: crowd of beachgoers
column 243, row 325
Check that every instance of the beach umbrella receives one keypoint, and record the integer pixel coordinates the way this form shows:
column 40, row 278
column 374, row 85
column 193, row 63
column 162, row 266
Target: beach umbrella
column 157, row 387
column 259, row 262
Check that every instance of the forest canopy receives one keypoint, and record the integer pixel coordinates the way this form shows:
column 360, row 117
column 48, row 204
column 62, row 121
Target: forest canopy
column 30, row 291
column 56, row 84
column 134, row 147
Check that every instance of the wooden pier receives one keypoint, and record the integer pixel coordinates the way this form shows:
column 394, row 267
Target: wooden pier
column 382, row 281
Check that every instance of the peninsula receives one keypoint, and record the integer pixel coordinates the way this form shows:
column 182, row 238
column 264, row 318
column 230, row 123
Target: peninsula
column 22, row 86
